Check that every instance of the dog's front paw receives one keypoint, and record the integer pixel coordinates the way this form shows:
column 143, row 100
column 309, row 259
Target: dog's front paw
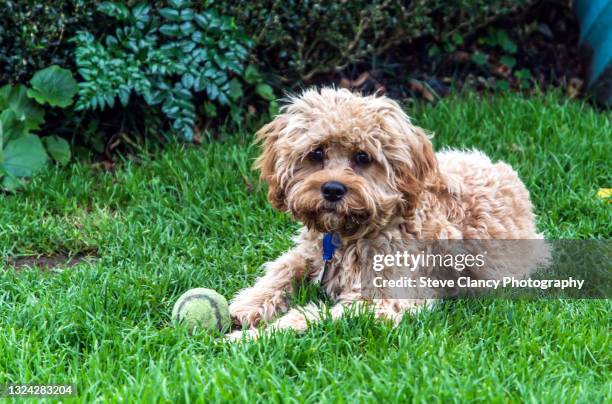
column 245, row 315
column 242, row 335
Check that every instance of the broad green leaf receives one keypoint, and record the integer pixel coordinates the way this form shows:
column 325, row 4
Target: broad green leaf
column 506, row 43
column 251, row 75
column 58, row 149
column 508, row 61
column 502, row 85
column 10, row 183
column 265, row 91
column 141, row 12
column 223, row 100
column 187, row 14
column 187, row 28
column 201, row 20
column 188, row 80
column 479, row 58
column 273, row 108
column 457, row 39
column 16, row 99
column 53, row 85
column 4, row 94
column 522, row 74
column 236, row 113
column 115, row 10
column 212, row 91
column 210, row 110
column 179, row 3
column 124, row 96
column 187, row 133
column 24, row 156
column 235, row 89
column 170, row 14
column 10, row 126
column 171, row 30
column 434, row 51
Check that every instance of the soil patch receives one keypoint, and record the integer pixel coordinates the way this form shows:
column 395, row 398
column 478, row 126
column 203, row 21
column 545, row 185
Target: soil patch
column 50, row 262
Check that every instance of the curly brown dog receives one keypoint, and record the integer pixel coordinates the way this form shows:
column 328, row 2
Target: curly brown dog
column 357, row 167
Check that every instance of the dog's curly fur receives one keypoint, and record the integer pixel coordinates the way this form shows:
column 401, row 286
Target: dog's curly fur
column 406, row 192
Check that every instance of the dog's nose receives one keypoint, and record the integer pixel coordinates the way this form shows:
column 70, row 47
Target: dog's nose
column 333, row 191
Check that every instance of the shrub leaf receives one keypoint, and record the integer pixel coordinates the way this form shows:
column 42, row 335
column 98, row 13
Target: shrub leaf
column 24, row 156
column 26, row 110
column 53, row 85
column 10, row 126
column 58, row 148
column 265, row 91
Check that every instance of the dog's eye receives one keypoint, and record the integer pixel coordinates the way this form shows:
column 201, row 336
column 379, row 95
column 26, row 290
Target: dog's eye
column 362, row 158
column 316, row 154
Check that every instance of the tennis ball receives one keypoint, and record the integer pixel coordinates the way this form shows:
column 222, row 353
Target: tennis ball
column 202, row 308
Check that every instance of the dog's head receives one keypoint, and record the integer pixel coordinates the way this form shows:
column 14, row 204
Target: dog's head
column 346, row 163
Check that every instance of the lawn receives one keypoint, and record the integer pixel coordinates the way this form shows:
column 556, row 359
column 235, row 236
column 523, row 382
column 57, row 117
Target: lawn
column 198, row 217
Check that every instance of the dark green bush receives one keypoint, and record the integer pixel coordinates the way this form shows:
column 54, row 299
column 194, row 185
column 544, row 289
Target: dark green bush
column 201, row 73
column 167, row 57
column 299, row 39
column 35, row 34
column 24, row 146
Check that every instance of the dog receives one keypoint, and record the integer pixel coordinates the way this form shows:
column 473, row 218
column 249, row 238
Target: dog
column 355, row 166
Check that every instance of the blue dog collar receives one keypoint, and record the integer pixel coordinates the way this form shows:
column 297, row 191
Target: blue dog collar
column 331, row 241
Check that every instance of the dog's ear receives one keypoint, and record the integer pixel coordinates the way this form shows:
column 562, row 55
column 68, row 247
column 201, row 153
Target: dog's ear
column 410, row 153
column 418, row 172
column 267, row 137
column 425, row 164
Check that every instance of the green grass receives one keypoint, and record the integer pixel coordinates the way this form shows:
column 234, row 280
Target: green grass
column 196, row 217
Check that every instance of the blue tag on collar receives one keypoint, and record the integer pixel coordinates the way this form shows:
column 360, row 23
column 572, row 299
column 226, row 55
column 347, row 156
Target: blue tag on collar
column 331, row 241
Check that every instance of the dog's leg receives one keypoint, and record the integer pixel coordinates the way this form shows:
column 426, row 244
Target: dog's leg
column 300, row 318
column 297, row 319
column 395, row 309
column 269, row 294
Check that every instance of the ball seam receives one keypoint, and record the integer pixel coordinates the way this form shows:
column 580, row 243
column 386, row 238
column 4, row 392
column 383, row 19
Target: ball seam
column 213, row 304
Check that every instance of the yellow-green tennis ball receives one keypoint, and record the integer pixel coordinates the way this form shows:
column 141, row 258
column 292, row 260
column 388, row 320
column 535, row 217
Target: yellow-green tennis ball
column 203, row 309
